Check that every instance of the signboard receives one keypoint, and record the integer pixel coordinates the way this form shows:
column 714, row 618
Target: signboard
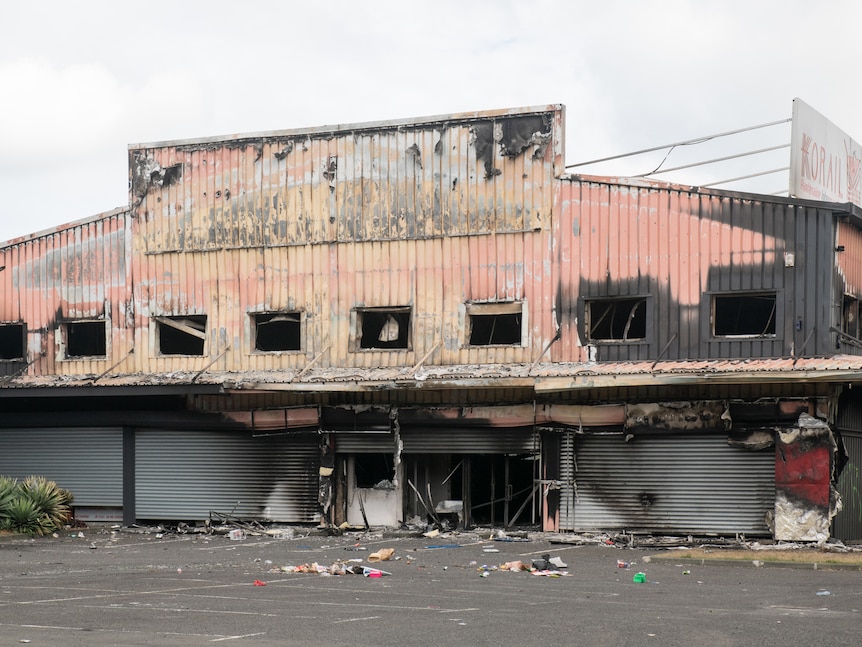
column 825, row 163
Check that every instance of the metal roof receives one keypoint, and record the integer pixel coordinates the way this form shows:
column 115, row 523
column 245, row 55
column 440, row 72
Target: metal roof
column 544, row 378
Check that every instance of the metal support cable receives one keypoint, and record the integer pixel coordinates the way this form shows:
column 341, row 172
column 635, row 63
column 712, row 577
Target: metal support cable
column 714, row 160
column 687, row 142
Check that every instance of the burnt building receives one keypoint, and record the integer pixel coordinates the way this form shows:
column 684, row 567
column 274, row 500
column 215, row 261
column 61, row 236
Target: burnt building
column 428, row 318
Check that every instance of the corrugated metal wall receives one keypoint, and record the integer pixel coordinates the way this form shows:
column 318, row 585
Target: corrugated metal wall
column 184, row 475
column 86, row 461
column 448, row 440
column 456, row 175
column 426, row 215
column 692, row 483
column 847, row 524
column 80, row 271
column 678, row 247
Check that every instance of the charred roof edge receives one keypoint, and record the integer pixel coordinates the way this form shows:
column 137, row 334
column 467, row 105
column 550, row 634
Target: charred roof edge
column 69, row 225
column 354, row 127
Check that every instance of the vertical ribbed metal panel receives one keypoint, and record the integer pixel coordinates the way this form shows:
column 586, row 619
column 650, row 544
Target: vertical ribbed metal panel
column 78, row 271
column 676, row 248
column 184, row 475
column 448, row 440
column 454, row 175
column 86, row 461
column 847, row 524
column 325, row 221
column 665, row 484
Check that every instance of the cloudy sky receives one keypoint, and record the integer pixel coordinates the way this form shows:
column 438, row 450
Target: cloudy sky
column 80, row 81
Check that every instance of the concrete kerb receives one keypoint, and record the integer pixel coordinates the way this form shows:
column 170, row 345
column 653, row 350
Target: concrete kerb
column 822, row 565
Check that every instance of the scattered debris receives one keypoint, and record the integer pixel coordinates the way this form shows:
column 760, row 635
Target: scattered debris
column 381, row 555
column 259, row 583
column 338, row 568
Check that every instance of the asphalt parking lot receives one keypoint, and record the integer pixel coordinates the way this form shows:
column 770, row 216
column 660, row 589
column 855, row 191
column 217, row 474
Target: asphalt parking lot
column 117, row 588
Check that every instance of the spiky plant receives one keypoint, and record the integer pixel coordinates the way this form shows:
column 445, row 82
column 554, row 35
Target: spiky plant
column 50, row 500
column 22, row 515
column 8, row 489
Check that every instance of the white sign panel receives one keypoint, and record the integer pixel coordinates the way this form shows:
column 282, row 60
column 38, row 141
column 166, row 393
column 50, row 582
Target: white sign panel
column 825, row 163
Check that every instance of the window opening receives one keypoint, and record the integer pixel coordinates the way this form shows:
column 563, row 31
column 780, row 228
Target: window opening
column 850, row 321
column 616, row 319
column 744, row 315
column 182, row 335
column 277, row 331
column 85, row 339
column 495, row 323
column 384, row 328
column 12, row 341
column 372, row 470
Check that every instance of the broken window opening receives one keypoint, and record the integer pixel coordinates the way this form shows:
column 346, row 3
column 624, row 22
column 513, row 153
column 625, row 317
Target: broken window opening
column 616, row 319
column 383, row 329
column 12, row 342
column 84, row 339
column 850, row 319
column 373, row 470
column 495, row 324
column 744, row 315
column 181, row 335
column 277, row 331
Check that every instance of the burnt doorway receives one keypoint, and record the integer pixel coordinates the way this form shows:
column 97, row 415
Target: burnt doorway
column 500, row 489
column 484, row 489
column 488, row 475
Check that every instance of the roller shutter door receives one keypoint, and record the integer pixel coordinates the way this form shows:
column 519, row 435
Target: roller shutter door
column 847, row 525
column 184, row 475
column 665, row 484
column 364, row 443
column 496, row 440
column 86, row 461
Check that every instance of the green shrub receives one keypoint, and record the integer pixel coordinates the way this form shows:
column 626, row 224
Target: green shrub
column 8, row 490
column 35, row 506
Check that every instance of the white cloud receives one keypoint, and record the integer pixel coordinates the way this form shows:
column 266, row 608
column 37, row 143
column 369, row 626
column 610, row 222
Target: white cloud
column 81, row 81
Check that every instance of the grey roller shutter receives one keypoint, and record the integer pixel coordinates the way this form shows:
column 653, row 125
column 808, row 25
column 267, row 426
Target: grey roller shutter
column 86, row 461
column 665, row 484
column 364, row 443
column 184, row 475
column 847, row 524
column 484, row 440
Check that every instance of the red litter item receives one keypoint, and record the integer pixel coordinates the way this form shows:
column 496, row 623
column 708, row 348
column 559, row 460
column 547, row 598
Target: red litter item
column 259, row 583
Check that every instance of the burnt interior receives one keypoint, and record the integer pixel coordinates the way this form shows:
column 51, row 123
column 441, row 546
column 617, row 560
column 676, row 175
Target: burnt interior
column 182, row 335
column 384, row 328
column 277, row 332
column 617, row 319
column 85, row 339
column 11, row 341
column 490, row 329
column 744, row 314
